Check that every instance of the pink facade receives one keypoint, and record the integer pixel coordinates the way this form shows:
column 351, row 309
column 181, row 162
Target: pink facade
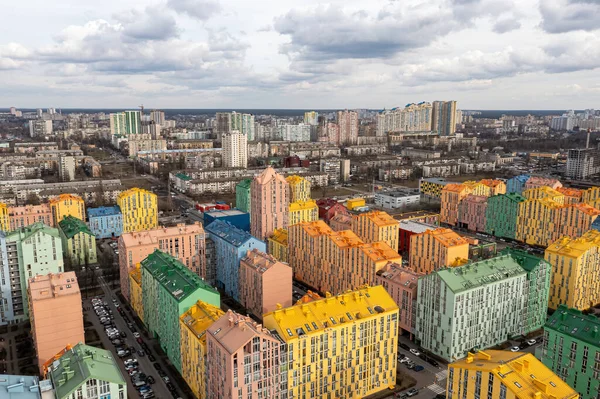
column 22, row 216
column 242, row 360
column 340, row 222
column 534, row 182
column 270, row 204
column 471, row 212
column 348, row 123
column 185, row 242
column 401, row 283
column 56, row 314
column 264, row 283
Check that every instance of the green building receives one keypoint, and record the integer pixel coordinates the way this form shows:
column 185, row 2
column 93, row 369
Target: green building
column 87, row 372
column 169, row 290
column 78, row 242
column 242, row 195
column 572, row 350
column 501, row 215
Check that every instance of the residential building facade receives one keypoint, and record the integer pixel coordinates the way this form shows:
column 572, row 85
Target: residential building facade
column 67, row 205
column 435, row 249
column 277, row 245
column 376, row 226
column 23, row 216
column 270, row 201
column 139, row 208
column 243, row 196
column 78, row 242
column 106, row 221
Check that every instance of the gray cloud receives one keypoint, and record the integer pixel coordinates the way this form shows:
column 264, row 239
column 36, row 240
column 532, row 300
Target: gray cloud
column 199, row 9
column 153, row 23
column 559, row 16
column 506, row 25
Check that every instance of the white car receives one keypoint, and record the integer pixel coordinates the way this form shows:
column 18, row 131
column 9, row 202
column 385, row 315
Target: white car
column 531, row 342
column 515, row 349
column 415, row 352
column 136, row 334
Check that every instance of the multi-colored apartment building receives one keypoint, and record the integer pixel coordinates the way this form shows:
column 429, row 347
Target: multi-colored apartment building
column 536, row 181
column 23, row 216
column 78, row 242
column 407, row 228
column 544, row 192
column 277, row 245
column 435, row 249
column 496, row 187
column 264, row 283
column 105, row 221
column 328, row 207
column 242, row 195
column 516, row 184
column 135, row 291
column 572, row 195
column 67, row 205
column 303, row 211
column 591, row 197
column 538, row 222
column 270, row 200
column 501, row 215
column 139, row 209
column 299, row 188
column 340, row 222
column 472, row 212
column 452, row 195
column 376, row 226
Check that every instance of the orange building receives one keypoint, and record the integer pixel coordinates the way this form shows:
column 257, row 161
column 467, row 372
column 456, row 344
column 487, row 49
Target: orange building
column 340, row 222
column 376, row 226
column 496, row 186
column 435, row 249
column 536, row 181
column 577, row 219
column 452, row 195
column 55, row 313
column 572, row 195
column 23, row 216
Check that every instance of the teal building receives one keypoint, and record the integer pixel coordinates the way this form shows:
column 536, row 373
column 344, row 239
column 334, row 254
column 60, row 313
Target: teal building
column 169, row 290
column 501, row 215
column 242, row 195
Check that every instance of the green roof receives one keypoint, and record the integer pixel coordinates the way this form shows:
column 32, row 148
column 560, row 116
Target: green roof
column 173, row 275
column 80, row 364
column 71, row 226
column 515, row 197
column 527, row 261
column 25, row 232
column 183, row 176
column 469, row 276
column 573, row 323
column 246, row 183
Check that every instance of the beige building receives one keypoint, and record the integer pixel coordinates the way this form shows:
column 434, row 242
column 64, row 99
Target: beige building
column 270, row 200
column 435, row 249
column 376, row 226
column 235, row 150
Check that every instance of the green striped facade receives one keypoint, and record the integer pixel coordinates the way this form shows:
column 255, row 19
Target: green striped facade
column 501, row 215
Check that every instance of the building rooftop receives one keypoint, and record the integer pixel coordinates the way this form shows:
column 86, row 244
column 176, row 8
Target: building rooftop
column 66, row 197
column 199, row 317
column 82, row 363
column 379, row 218
column 136, row 274
column 573, row 323
column 521, row 373
column 217, row 213
column 398, row 194
column 316, row 228
column 173, row 275
column 399, row 275
column 575, row 247
column 134, row 192
column 378, row 251
column 19, row 387
column 514, row 197
column 542, row 181
column 454, row 187
column 280, row 236
column 313, row 317
column 416, row 227
column 229, row 233
column 524, row 259
column 151, row 237
column 585, row 208
column 521, row 178
column 51, row 285
column 183, row 176
column 436, row 180
column 302, row 205
column 491, row 182
column 309, row 297
column 295, row 179
column 259, row 261
column 473, row 275
column 446, row 237
column 23, row 233
column 475, row 199
column 71, row 226
column 415, row 215
column 570, row 192
column 234, row 331
column 246, row 183
column 103, row 211
column 269, row 174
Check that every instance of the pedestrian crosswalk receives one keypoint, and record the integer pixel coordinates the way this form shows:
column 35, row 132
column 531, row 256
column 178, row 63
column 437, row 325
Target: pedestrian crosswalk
column 436, row 388
column 441, row 375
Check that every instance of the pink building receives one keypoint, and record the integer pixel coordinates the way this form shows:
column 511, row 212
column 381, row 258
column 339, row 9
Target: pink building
column 22, row 216
column 264, row 283
column 534, row 182
column 242, row 359
column 471, row 212
column 185, row 242
column 340, row 222
column 348, row 123
column 401, row 283
column 55, row 313
column 270, row 203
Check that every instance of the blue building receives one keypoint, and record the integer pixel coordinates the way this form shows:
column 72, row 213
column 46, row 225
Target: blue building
column 231, row 245
column 516, row 184
column 596, row 224
column 235, row 217
column 106, row 221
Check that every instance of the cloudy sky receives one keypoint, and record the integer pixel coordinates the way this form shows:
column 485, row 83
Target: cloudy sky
column 487, row 54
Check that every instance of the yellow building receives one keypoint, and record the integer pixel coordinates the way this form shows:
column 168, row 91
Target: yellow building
column 432, row 187
column 299, row 188
column 591, row 197
column 434, row 249
column 452, row 195
column 4, row 219
column 355, row 203
column 303, row 211
column 376, row 226
column 67, row 205
column 342, row 346
column 192, row 325
column 135, row 291
column 504, row 374
column 575, row 271
column 277, row 245
column 576, row 219
column 545, row 192
column 478, row 188
column 496, row 186
column 538, row 221
column 139, row 208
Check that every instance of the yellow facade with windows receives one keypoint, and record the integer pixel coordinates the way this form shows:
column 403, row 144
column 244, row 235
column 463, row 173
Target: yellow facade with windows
column 342, row 346
column 135, row 291
column 299, row 188
column 591, row 196
column 139, row 208
column 545, row 192
column 303, row 211
column 538, row 221
column 505, row 375
column 192, row 326
column 4, row 219
column 277, row 245
column 575, row 271
column 67, row 205
column 376, row 226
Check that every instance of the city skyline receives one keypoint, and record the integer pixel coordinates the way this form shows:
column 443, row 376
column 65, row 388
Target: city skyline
column 486, row 54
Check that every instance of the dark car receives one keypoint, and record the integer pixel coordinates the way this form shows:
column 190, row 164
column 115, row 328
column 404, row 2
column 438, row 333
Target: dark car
column 141, row 353
column 440, row 396
column 412, row 392
column 432, row 362
column 170, row 386
column 151, row 357
column 161, row 372
column 150, row 380
column 404, row 346
column 418, row 368
column 156, row 366
column 401, row 395
column 122, row 334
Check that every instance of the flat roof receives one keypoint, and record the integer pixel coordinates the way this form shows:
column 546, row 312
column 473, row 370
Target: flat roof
column 229, row 233
column 53, row 285
column 574, row 323
column 19, row 387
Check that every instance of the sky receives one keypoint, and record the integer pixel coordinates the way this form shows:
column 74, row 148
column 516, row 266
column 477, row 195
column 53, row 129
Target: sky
column 486, row 54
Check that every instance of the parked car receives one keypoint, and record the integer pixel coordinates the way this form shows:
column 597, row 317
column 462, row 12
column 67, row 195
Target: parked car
column 412, row 392
column 515, row 349
column 531, row 342
column 123, row 334
column 150, row 380
column 415, row 352
column 404, row 346
column 156, row 366
column 418, row 368
column 151, row 357
column 432, row 362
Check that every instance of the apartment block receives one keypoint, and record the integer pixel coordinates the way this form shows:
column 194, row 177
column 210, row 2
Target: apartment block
column 105, row 221
column 571, row 349
column 55, row 313
column 401, row 283
column 504, row 374
column 242, row 195
column 264, row 283
column 496, row 186
column 376, row 226
column 452, row 195
column 432, row 187
column 303, row 211
column 536, row 181
column 538, row 222
column 544, row 192
column 135, row 291
column 235, row 150
column 78, row 242
column 516, row 184
column 235, row 217
column 342, row 346
column 576, row 219
column 501, row 215
column 86, row 372
column 299, row 188
column 408, row 228
column 335, row 261
column 25, row 253
column 472, row 212
column 591, row 197
column 139, row 208
column 193, row 325
column 244, row 360
column 231, row 245
column 23, row 216
column 444, row 117
column 341, row 222
column 270, row 203
column 24, row 387
column 169, row 289
column 490, row 294
column 329, row 207
column 575, row 271
column 185, row 242
column 436, row 249
column 277, row 245
column 4, row 218
column 571, row 195
column 67, row 205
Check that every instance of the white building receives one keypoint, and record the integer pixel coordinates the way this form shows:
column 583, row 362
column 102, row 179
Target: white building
column 66, row 168
column 582, row 163
column 299, row 132
column 235, row 150
column 397, row 199
column 40, row 127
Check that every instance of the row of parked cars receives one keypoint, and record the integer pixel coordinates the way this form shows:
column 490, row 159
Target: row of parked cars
column 418, row 354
